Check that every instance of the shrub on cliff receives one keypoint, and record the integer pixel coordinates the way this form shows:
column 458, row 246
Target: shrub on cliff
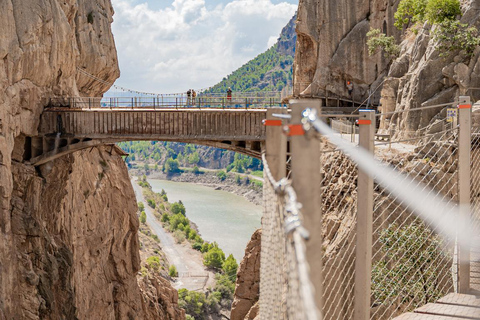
column 437, row 11
column 153, row 263
column 151, row 203
column 419, row 261
column 376, row 40
column 410, row 11
column 141, row 206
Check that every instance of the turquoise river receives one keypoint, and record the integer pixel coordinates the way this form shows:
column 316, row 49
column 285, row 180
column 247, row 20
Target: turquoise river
column 226, row 218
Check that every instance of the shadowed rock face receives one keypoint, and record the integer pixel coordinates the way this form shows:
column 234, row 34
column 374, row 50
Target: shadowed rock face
column 421, row 77
column 68, row 230
column 247, row 289
column 331, row 49
column 331, row 46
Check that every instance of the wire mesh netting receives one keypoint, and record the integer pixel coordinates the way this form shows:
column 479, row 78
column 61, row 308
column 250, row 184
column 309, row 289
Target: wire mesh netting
column 475, row 206
column 412, row 264
column 285, row 288
column 339, row 201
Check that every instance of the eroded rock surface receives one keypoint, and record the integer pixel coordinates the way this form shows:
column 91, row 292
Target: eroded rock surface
column 68, row 230
column 331, row 47
column 247, row 289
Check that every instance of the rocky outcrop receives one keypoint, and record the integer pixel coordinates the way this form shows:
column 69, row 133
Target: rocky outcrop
column 160, row 299
column 68, row 230
column 247, row 289
column 422, row 77
column 331, row 47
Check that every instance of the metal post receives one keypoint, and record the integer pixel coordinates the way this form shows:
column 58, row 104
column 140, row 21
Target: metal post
column 464, row 144
column 363, row 253
column 306, row 180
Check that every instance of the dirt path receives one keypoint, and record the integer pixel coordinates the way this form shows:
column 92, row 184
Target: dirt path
column 192, row 275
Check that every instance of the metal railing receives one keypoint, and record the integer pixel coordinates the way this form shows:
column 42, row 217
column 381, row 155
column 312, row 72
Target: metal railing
column 159, row 102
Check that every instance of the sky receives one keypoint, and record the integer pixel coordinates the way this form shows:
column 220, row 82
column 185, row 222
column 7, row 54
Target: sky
column 170, row 46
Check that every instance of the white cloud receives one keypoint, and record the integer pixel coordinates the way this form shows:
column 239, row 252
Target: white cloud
column 188, row 44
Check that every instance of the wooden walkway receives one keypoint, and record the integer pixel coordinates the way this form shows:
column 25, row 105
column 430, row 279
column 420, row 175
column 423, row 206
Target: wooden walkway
column 454, row 305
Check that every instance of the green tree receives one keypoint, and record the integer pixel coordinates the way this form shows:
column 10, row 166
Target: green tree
column 437, row 11
column 171, row 166
column 143, row 217
column 194, row 158
column 221, row 175
column 230, row 267
column 172, row 271
column 409, row 11
column 214, row 258
column 141, row 206
column 178, row 207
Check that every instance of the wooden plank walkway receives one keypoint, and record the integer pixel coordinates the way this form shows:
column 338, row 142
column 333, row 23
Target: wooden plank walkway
column 452, row 306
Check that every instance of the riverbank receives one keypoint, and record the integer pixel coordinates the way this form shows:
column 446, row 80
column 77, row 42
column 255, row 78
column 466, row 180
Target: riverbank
column 243, row 185
column 192, row 274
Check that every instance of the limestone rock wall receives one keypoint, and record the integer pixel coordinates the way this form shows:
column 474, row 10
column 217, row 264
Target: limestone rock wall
column 247, row 289
column 331, row 46
column 331, row 49
column 68, row 230
column 421, row 77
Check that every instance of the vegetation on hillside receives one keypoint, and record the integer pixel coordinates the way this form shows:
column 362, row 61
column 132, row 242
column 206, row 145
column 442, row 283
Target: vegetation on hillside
column 171, row 156
column 174, row 219
column 269, row 71
column 450, row 34
column 413, row 258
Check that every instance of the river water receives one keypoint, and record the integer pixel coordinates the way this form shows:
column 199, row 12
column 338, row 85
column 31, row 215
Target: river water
column 221, row 216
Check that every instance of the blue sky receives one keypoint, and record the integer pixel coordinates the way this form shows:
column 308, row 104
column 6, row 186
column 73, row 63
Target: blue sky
column 168, row 46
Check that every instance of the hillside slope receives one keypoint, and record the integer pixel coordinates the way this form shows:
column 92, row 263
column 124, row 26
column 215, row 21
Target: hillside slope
column 269, row 71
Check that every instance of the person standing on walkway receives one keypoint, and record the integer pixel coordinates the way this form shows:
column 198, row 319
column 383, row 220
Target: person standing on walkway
column 189, row 94
column 350, row 89
column 229, row 94
column 194, row 95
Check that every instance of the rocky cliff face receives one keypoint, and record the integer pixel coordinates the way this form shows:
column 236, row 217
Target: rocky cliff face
column 331, row 49
column 421, row 77
column 247, row 289
column 331, row 46
column 68, row 230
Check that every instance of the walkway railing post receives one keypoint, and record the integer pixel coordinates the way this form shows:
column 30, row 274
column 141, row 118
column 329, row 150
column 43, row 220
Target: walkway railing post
column 306, row 180
column 363, row 253
column 464, row 145
column 275, row 144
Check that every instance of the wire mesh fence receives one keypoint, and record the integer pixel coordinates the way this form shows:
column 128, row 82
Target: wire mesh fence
column 413, row 261
column 339, row 202
column 285, row 288
column 475, row 206
column 412, row 264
